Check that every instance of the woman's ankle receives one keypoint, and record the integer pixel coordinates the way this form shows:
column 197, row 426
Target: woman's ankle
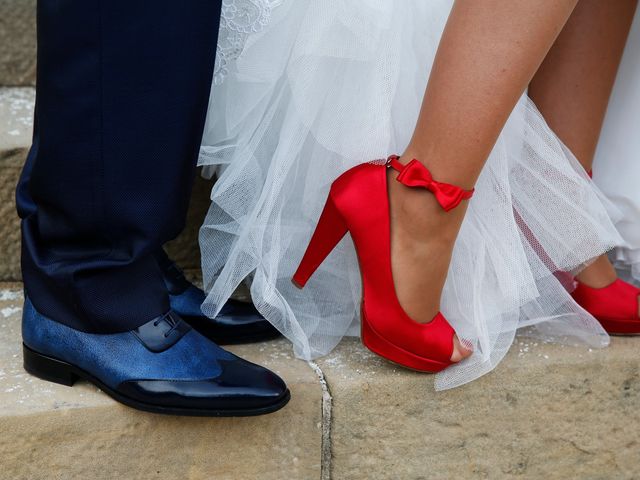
column 418, row 215
column 598, row 274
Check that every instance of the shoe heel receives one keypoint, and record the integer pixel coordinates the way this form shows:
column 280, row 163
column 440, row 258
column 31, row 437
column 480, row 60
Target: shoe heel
column 48, row 368
column 329, row 231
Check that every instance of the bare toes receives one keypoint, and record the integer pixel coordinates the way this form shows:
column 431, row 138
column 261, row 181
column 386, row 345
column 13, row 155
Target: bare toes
column 460, row 351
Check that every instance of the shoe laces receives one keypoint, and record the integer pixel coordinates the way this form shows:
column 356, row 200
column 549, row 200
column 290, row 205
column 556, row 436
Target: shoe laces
column 171, row 320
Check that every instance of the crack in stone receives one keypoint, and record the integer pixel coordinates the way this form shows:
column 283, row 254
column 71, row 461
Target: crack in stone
column 575, row 445
column 325, row 449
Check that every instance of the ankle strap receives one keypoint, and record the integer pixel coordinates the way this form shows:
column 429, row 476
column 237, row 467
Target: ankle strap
column 415, row 174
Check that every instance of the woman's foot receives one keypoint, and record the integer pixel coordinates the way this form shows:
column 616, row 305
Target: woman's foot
column 422, row 240
column 599, row 274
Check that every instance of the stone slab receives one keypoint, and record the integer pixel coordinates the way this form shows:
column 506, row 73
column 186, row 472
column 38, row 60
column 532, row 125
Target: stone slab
column 547, row 412
column 17, row 42
column 16, row 117
column 49, row 431
column 16, row 124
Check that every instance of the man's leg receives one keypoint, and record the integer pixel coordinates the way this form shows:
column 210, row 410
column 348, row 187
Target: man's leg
column 122, row 93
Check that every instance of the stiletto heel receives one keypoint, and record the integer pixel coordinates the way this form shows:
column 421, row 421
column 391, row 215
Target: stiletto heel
column 358, row 202
column 330, row 230
column 614, row 306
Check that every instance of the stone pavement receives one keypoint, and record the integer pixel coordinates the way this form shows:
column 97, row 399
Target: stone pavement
column 17, row 42
column 49, row 431
column 548, row 411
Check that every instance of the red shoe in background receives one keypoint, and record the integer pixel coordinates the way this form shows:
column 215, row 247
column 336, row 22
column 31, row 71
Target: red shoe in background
column 614, row 306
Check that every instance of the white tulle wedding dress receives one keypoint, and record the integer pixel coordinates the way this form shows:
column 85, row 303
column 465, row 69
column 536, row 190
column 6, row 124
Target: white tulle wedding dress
column 305, row 90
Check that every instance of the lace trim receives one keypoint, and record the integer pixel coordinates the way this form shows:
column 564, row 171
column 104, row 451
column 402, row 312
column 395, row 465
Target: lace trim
column 238, row 20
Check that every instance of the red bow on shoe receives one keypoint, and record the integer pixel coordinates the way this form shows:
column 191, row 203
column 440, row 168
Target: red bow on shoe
column 415, row 174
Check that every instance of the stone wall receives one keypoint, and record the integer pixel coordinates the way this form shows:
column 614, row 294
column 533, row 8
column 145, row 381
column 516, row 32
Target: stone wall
column 17, row 42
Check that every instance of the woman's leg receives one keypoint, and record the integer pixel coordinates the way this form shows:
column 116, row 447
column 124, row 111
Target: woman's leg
column 488, row 54
column 573, row 85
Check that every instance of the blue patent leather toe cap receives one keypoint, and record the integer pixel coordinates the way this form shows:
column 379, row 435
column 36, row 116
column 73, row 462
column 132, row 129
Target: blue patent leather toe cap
column 240, row 385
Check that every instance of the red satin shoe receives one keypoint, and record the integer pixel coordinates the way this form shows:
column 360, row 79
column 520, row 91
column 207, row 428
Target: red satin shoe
column 615, row 306
column 358, row 202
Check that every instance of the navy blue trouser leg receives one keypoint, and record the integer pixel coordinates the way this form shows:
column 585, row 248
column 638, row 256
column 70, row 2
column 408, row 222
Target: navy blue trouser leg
column 121, row 99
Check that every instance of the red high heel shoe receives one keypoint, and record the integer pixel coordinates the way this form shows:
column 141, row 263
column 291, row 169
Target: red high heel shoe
column 358, row 202
column 614, row 306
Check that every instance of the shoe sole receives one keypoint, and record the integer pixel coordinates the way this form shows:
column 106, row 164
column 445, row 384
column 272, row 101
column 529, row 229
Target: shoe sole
column 620, row 328
column 397, row 355
column 389, row 351
column 58, row 371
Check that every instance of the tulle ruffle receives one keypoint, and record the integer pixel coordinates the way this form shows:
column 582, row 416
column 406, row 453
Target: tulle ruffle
column 327, row 85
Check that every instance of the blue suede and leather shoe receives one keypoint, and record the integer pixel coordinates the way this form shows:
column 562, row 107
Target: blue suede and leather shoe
column 237, row 322
column 163, row 366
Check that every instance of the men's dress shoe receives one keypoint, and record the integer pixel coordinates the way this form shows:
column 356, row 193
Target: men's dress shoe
column 163, row 366
column 237, row 322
